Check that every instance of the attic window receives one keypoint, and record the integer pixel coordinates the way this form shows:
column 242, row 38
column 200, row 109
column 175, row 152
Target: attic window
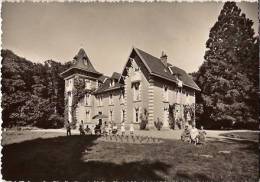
column 112, row 83
column 137, row 69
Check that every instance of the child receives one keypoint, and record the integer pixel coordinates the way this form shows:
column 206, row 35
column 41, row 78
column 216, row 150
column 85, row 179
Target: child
column 131, row 129
column 123, row 128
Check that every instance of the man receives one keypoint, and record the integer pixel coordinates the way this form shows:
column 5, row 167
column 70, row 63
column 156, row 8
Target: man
column 68, row 128
column 81, row 128
column 194, row 133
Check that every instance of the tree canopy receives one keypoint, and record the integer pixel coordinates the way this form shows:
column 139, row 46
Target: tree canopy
column 228, row 77
column 32, row 93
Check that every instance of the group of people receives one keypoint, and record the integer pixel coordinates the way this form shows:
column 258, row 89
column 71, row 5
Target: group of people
column 107, row 128
column 193, row 135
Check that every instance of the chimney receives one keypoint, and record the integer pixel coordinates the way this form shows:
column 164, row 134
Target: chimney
column 164, row 58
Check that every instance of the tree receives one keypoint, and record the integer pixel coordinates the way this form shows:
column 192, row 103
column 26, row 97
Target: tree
column 33, row 94
column 228, row 77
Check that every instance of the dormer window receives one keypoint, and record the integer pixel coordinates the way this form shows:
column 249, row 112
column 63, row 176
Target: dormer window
column 137, row 69
column 112, row 83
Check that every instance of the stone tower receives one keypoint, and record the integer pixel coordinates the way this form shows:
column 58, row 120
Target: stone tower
column 83, row 70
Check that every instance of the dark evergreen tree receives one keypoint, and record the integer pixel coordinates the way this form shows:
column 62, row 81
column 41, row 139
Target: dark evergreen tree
column 228, row 77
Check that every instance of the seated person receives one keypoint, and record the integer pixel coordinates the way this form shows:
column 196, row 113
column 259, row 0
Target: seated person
column 194, row 134
column 202, row 135
column 109, row 129
column 114, row 129
column 87, row 129
column 97, row 129
column 185, row 136
column 81, row 128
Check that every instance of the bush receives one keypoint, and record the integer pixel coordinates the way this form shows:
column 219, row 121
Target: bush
column 54, row 121
column 143, row 124
column 158, row 124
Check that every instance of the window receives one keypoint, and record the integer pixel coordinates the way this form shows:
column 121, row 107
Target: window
column 99, row 99
column 110, row 115
column 136, row 87
column 165, row 93
column 69, row 98
column 122, row 96
column 88, row 116
column 87, row 84
column 122, row 115
column 166, row 115
column 112, row 83
column 137, row 69
column 137, row 115
column 67, row 83
column 110, row 99
column 87, row 99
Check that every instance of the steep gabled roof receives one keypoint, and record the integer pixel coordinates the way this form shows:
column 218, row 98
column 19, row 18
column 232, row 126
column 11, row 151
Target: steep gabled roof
column 184, row 77
column 82, row 62
column 158, row 69
column 106, row 85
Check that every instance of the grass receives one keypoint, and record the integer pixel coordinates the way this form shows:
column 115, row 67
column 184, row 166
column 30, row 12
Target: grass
column 254, row 136
column 85, row 158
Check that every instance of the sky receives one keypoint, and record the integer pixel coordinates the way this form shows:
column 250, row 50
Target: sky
column 108, row 31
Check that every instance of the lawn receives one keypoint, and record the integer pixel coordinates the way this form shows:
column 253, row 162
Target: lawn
column 85, row 158
column 253, row 136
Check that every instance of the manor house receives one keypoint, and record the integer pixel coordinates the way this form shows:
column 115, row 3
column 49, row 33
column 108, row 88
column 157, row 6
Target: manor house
column 146, row 86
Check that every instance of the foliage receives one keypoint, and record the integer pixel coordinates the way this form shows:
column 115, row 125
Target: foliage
column 189, row 110
column 158, row 124
column 228, row 78
column 78, row 93
column 179, row 123
column 56, row 121
column 31, row 92
column 144, row 119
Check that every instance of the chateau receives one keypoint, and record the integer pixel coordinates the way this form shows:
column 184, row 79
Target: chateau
column 147, row 85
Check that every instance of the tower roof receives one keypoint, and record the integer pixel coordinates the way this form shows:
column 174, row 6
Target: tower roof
column 82, row 62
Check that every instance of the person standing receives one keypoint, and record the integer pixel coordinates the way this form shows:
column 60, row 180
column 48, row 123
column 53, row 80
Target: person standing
column 131, row 129
column 123, row 128
column 81, row 128
column 68, row 128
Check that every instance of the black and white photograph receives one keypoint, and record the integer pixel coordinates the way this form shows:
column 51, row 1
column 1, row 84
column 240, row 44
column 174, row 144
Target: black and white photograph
column 130, row 91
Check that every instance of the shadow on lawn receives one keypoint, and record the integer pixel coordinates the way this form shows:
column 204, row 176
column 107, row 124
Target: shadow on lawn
column 60, row 159
column 244, row 145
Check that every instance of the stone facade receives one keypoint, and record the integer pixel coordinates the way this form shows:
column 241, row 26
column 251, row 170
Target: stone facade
column 125, row 97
